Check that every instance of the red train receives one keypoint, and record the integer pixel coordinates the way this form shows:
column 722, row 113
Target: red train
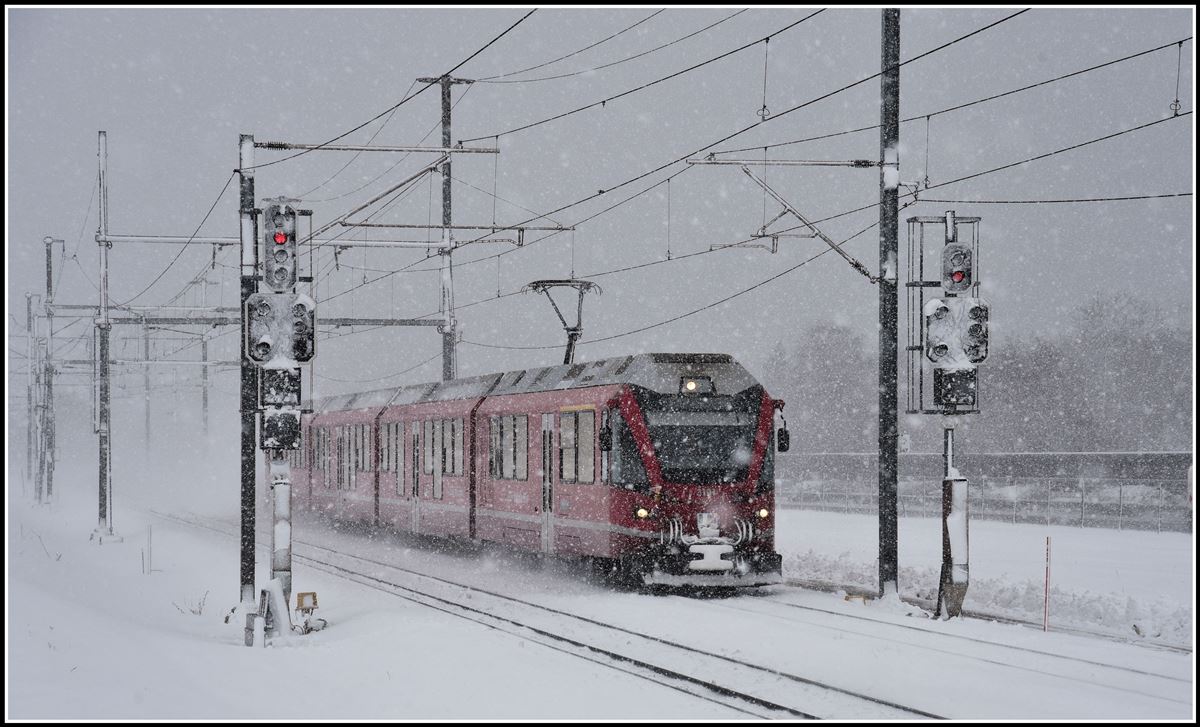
column 658, row 467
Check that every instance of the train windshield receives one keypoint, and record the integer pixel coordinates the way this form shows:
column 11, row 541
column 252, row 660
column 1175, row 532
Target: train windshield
column 703, row 439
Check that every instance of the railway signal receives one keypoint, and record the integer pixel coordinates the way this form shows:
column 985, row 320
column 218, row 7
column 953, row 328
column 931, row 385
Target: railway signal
column 954, row 338
column 279, row 248
column 956, row 332
column 280, row 387
column 261, row 337
column 280, row 327
column 957, row 267
column 303, row 328
column 976, row 337
column 281, row 430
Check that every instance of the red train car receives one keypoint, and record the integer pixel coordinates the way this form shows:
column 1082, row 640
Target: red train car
column 657, row 466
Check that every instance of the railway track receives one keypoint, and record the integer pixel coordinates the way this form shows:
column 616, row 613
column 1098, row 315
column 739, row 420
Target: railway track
column 1055, row 666
column 928, row 605
column 751, row 688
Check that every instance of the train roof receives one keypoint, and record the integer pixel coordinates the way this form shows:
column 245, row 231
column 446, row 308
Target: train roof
column 655, row 371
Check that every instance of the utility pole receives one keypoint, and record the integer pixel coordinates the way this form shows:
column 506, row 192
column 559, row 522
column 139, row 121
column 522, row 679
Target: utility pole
column 889, row 182
column 204, row 381
column 449, row 354
column 104, row 529
column 249, row 389
column 49, row 366
column 146, row 379
column 39, row 381
column 29, row 385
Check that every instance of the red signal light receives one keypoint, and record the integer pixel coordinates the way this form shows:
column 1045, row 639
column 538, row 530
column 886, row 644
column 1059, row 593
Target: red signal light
column 957, row 276
column 280, row 237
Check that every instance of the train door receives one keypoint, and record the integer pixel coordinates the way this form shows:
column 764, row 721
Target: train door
column 547, row 483
column 415, row 512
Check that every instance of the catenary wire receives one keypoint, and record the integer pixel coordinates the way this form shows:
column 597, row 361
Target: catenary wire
column 185, row 245
column 605, row 101
column 399, row 103
column 958, row 106
column 727, row 138
column 623, row 60
column 491, row 79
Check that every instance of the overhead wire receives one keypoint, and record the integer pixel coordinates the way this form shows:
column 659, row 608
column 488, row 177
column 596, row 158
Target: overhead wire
column 693, row 312
column 185, row 245
column 1055, row 201
column 491, row 79
column 705, row 148
column 657, row 81
column 874, row 205
column 774, row 117
column 958, row 106
column 399, row 161
column 550, row 234
column 79, row 241
column 359, row 153
column 381, row 378
column 495, row 196
column 1004, row 166
column 942, row 184
column 623, row 60
column 398, row 104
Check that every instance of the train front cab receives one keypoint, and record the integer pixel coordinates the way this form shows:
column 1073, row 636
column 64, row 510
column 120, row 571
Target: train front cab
column 577, row 472
column 698, row 472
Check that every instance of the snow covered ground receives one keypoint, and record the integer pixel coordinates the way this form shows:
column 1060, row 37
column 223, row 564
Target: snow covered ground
column 91, row 636
column 1108, row 581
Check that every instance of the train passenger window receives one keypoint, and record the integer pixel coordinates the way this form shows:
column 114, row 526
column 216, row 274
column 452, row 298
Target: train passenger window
column 427, row 447
column 327, row 456
column 494, row 447
column 576, row 446
column 397, row 454
column 369, row 463
column 351, row 459
column 507, row 464
column 416, row 457
column 508, row 447
column 585, row 439
column 356, row 444
column 445, row 436
column 458, row 446
column 447, row 446
column 566, row 446
column 521, row 429
column 322, row 453
column 341, row 456
column 368, row 448
column 604, row 453
column 385, row 447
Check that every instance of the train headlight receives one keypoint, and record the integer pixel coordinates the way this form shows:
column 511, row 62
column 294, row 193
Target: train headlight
column 642, row 513
column 696, row 385
column 764, row 512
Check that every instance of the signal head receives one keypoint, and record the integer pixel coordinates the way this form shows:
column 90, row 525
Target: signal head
column 279, row 242
column 957, row 267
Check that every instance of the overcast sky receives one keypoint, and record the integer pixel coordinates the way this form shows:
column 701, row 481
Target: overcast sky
column 175, row 88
